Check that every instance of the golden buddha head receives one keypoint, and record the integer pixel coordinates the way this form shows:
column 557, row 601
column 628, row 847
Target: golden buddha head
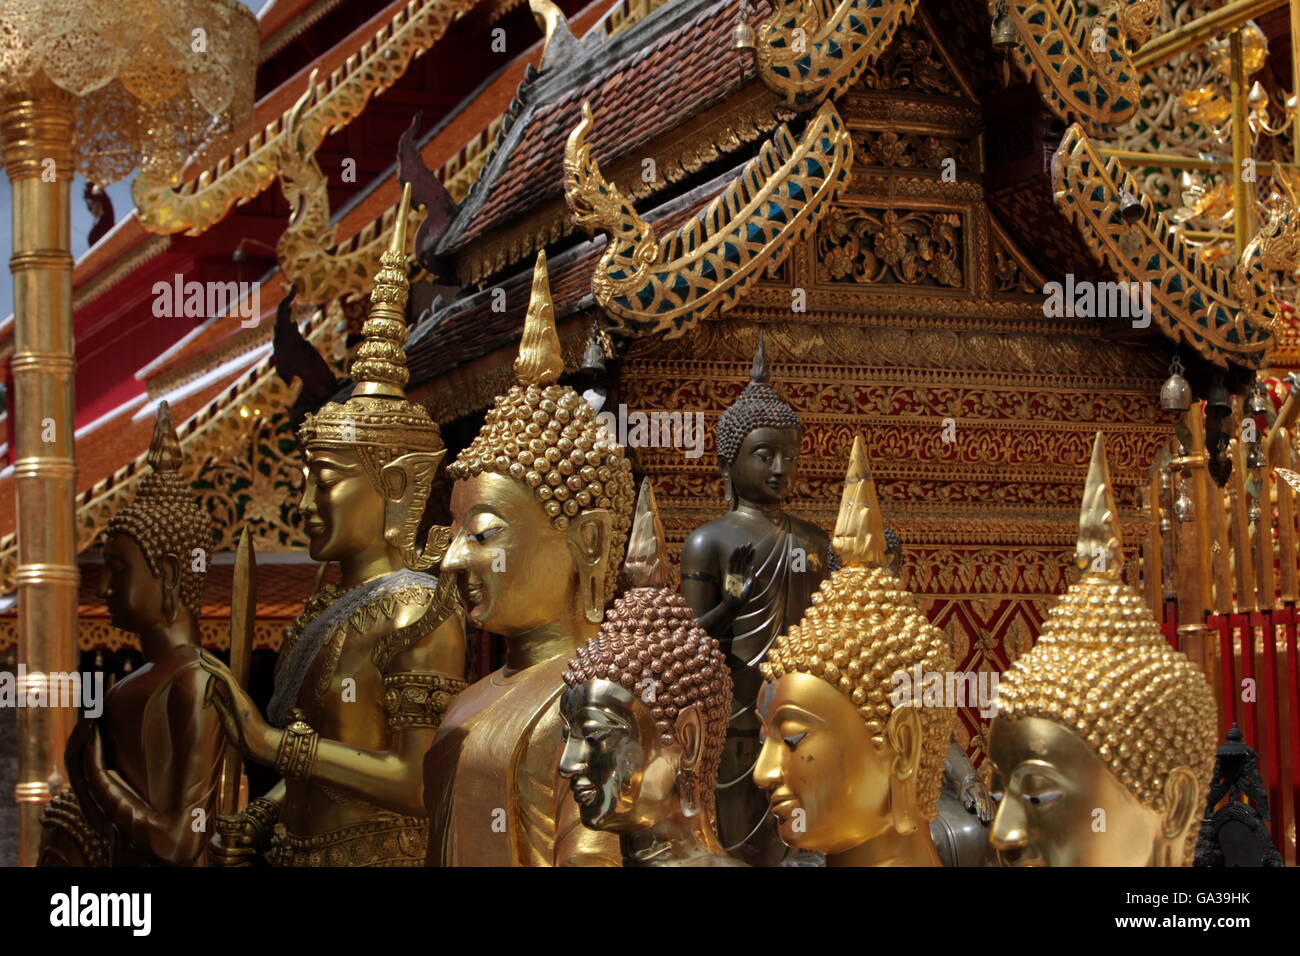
column 155, row 552
column 371, row 460
column 1104, row 741
column 647, row 701
column 841, row 763
column 542, row 497
column 758, row 439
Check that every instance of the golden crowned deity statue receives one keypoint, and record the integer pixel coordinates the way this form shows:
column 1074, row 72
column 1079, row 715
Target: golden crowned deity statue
column 541, row 507
column 369, row 667
column 645, row 714
column 851, row 758
column 750, row 574
column 141, row 770
column 1104, row 740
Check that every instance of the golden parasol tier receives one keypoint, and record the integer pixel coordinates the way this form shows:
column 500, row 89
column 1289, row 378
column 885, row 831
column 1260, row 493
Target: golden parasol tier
column 96, row 87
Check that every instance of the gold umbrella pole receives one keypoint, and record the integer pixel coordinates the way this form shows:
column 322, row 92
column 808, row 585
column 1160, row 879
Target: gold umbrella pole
column 36, row 128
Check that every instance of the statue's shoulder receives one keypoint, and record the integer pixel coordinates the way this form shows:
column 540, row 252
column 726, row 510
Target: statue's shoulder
column 807, row 531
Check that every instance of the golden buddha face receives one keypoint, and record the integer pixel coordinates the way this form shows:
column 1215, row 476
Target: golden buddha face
column 828, row 783
column 622, row 775
column 763, row 471
column 134, row 595
column 1059, row 804
column 343, row 512
column 516, row 570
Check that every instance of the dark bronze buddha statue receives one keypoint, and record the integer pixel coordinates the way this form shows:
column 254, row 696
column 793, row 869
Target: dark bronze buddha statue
column 749, row 575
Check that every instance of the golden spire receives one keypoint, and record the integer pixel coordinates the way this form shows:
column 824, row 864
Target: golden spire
column 1099, row 548
column 859, row 538
column 380, row 364
column 165, row 448
column 540, row 361
column 646, row 566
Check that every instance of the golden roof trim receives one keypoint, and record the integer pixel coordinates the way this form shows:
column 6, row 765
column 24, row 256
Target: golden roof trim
column 1061, row 41
column 650, row 285
column 837, row 53
column 1223, row 315
column 196, row 204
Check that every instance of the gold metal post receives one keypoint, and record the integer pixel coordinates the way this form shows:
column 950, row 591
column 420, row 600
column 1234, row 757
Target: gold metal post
column 1213, row 24
column 36, row 128
column 1243, row 225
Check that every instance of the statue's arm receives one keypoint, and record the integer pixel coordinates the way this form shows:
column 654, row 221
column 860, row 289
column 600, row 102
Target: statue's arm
column 425, row 677
column 715, row 596
column 162, row 824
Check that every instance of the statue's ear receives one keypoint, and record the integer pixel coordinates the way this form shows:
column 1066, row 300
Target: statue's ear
column 169, row 576
column 904, row 737
column 1182, row 806
column 690, row 735
column 588, row 539
column 407, row 481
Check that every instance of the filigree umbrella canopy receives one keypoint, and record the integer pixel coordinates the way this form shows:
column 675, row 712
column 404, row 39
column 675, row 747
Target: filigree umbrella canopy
column 155, row 80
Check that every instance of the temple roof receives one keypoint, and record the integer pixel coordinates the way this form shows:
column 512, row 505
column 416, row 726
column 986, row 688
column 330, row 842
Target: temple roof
column 651, row 78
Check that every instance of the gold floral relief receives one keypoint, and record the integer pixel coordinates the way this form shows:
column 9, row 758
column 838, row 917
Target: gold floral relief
column 890, row 245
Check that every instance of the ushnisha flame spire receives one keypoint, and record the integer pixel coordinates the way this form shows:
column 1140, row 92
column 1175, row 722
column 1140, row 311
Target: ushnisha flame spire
column 758, row 372
column 859, row 538
column 1099, row 550
column 165, row 446
column 540, row 361
column 646, row 565
column 379, row 367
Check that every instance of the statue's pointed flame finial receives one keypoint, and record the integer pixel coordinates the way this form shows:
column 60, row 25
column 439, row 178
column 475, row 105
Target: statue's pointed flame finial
column 759, row 372
column 540, row 361
column 646, row 565
column 859, row 538
column 1099, row 551
column 380, row 364
column 165, row 447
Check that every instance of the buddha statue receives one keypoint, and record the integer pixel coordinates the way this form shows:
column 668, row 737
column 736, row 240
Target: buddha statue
column 851, row 768
column 644, row 715
column 1104, row 740
column 144, row 774
column 367, row 670
column 541, row 505
column 749, row 575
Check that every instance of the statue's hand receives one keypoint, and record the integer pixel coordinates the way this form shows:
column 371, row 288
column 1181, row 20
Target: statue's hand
column 738, row 583
column 240, row 718
column 237, row 841
column 975, row 798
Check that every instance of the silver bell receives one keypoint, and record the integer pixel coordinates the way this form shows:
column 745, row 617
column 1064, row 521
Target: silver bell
column 1004, row 31
column 1176, row 392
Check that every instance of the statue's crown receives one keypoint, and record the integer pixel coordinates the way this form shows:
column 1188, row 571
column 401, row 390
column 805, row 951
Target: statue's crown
column 378, row 412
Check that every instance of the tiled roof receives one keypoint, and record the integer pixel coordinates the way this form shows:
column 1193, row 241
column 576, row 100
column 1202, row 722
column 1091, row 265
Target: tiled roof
column 468, row 329
column 674, row 64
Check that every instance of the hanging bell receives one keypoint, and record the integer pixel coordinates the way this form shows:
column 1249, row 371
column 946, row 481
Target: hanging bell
column 1183, row 507
column 1004, row 31
column 1255, row 459
column 1130, row 208
column 1258, row 403
column 1217, row 400
column 742, row 34
column 1176, row 392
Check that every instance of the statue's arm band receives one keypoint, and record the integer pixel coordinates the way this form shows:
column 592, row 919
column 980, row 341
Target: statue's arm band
column 418, row 699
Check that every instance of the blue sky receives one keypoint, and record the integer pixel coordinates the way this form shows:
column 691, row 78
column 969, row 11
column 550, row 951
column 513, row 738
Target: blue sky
column 81, row 220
